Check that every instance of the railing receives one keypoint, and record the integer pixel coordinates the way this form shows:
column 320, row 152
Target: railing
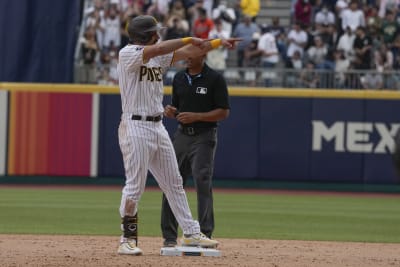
column 262, row 77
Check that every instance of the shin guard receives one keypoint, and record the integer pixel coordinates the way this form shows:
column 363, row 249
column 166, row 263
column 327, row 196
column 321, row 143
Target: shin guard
column 130, row 227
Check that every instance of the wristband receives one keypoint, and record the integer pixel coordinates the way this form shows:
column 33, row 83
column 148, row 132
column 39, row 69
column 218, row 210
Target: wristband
column 216, row 43
column 186, row 40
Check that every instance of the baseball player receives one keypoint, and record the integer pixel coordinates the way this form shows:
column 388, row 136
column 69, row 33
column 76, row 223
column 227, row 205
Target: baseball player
column 143, row 139
column 199, row 101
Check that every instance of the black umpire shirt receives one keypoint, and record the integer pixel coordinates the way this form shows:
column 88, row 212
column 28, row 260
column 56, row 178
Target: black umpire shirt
column 203, row 92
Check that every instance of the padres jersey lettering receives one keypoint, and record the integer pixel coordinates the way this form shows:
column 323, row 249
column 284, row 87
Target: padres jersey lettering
column 153, row 74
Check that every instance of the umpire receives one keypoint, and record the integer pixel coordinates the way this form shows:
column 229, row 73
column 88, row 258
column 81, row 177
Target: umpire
column 199, row 100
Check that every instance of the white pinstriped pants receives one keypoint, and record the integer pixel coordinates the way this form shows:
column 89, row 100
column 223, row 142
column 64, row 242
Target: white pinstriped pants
column 147, row 146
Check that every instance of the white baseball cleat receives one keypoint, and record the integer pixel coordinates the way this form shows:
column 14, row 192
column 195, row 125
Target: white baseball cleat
column 129, row 247
column 199, row 240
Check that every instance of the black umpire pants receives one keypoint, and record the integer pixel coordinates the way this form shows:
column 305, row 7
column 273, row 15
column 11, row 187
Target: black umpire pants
column 195, row 152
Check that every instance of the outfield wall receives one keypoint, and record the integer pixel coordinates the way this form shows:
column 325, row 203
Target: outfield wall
column 272, row 134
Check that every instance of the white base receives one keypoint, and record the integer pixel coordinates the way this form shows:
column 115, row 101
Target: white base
column 189, row 251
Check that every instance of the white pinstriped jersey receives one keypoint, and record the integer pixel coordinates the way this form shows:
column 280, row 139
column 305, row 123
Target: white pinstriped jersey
column 145, row 145
column 141, row 84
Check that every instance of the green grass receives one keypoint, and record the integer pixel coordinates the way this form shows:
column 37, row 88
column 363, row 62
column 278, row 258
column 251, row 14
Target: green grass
column 268, row 216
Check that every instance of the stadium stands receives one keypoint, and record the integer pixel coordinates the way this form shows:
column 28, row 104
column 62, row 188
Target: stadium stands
column 345, row 44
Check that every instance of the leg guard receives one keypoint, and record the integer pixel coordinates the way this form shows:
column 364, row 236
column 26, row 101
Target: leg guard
column 130, row 227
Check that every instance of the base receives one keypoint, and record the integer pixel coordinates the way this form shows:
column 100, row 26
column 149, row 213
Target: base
column 189, row 251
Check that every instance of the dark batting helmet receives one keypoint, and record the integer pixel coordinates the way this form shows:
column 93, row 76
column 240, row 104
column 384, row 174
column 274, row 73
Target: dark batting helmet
column 141, row 28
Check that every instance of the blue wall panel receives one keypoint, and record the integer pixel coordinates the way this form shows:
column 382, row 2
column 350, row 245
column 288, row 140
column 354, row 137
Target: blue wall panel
column 284, row 138
column 170, row 124
column 237, row 155
column 110, row 162
column 328, row 165
column 378, row 167
column 38, row 40
column 272, row 139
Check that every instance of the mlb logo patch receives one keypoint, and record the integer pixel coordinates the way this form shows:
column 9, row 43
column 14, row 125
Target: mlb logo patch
column 201, row 90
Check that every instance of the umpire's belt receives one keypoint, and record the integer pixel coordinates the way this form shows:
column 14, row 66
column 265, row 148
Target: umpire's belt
column 146, row 118
column 194, row 131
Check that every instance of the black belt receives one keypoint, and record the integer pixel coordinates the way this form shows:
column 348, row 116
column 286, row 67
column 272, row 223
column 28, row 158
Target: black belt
column 194, row 131
column 146, row 118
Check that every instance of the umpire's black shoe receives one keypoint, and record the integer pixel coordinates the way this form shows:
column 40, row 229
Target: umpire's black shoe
column 169, row 243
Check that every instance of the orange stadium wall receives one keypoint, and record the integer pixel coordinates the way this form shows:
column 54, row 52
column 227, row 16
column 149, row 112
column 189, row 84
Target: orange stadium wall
column 49, row 134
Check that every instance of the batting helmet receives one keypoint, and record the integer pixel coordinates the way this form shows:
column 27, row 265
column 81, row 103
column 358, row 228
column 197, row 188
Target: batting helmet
column 141, row 28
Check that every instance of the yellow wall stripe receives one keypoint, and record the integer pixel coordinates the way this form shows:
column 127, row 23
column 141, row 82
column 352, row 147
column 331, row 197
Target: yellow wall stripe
column 233, row 91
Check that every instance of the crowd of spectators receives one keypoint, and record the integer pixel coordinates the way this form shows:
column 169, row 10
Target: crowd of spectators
column 105, row 23
column 329, row 43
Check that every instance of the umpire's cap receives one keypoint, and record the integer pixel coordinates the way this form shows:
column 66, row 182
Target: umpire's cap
column 140, row 25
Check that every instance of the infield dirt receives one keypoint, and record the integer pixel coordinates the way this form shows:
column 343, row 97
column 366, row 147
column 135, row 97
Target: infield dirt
column 46, row 250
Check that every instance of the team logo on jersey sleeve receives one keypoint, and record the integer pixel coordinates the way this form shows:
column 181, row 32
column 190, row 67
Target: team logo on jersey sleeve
column 201, row 90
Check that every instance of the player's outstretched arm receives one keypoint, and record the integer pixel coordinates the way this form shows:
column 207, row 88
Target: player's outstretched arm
column 169, row 46
column 195, row 50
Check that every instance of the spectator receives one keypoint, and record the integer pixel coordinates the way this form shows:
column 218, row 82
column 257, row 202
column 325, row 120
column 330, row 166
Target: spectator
column 278, row 32
column 192, row 10
column 373, row 22
column 276, row 29
column 324, row 20
column 362, row 47
column 297, row 39
column 388, row 5
column 308, row 77
column 89, row 52
column 294, row 63
column 104, row 78
column 372, row 17
column 112, row 32
column 353, row 17
column 252, row 54
column 396, row 52
column 303, row 11
column 340, row 7
column 177, row 10
column 383, row 58
column 216, row 58
column 244, row 30
column 390, row 28
column 202, row 25
column 372, row 80
column 208, row 6
column 176, row 28
column 112, row 63
column 346, row 43
column 226, row 15
column 95, row 20
column 342, row 65
column 192, row 7
column 250, row 8
column 317, row 54
column 269, row 52
column 329, row 3
column 160, row 7
column 268, row 49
